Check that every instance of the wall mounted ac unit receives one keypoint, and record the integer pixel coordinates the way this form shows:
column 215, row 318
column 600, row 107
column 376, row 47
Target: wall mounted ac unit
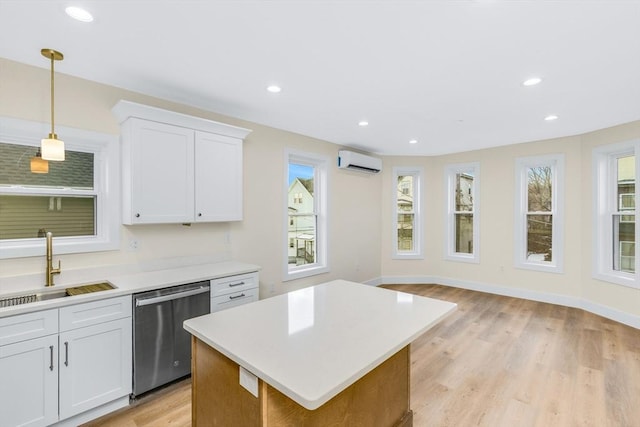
column 358, row 162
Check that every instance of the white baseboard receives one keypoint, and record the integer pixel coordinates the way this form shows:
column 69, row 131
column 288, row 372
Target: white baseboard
column 569, row 301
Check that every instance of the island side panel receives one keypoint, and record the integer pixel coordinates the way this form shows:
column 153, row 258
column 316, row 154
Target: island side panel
column 218, row 399
column 379, row 399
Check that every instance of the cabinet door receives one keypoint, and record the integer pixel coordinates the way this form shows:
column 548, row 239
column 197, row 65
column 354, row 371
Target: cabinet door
column 95, row 366
column 218, row 180
column 29, row 382
column 161, row 173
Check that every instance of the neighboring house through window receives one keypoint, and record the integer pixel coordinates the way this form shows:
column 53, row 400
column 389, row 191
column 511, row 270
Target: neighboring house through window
column 539, row 220
column 407, row 220
column 306, row 186
column 615, row 237
column 462, row 212
column 76, row 200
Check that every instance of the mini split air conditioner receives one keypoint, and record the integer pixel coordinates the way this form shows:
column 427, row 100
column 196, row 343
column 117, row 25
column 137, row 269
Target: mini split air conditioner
column 358, row 162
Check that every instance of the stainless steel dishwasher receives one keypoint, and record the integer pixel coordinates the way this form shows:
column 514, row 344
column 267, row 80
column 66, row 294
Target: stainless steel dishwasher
column 161, row 347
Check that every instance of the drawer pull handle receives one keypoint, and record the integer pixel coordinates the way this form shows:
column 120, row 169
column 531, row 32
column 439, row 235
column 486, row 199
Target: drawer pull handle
column 66, row 353
column 237, row 296
column 51, row 358
column 231, row 285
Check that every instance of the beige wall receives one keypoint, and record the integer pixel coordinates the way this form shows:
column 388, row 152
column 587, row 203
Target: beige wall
column 360, row 239
column 354, row 236
column 497, row 199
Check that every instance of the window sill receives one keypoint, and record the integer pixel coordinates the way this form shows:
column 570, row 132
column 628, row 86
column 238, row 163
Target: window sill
column 312, row 270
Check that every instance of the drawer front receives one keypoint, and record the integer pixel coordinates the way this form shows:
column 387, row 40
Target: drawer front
column 231, row 300
column 23, row 327
column 92, row 313
column 233, row 284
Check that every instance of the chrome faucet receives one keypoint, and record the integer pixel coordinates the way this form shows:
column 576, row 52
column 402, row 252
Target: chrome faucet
column 50, row 270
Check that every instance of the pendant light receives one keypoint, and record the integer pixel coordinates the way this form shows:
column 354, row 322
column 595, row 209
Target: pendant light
column 38, row 164
column 52, row 148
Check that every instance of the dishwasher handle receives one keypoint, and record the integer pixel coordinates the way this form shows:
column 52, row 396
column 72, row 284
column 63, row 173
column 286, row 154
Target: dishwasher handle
column 155, row 300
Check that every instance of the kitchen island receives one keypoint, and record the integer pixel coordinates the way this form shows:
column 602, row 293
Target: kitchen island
column 331, row 354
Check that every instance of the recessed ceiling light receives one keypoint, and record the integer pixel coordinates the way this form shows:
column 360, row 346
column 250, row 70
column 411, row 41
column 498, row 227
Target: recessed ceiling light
column 79, row 14
column 532, row 81
column 363, row 123
column 551, row 117
column 413, row 141
column 274, row 89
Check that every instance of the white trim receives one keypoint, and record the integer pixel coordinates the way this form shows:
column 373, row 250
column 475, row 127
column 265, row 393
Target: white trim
column 321, row 187
column 556, row 162
column 106, row 183
column 126, row 109
column 418, row 246
column 603, row 199
column 450, row 173
column 565, row 300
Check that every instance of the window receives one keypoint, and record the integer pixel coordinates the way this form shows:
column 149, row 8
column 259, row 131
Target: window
column 539, row 222
column 306, row 215
column 70, row 200
column 407, row 237
column 615, row 186
column 462, row 215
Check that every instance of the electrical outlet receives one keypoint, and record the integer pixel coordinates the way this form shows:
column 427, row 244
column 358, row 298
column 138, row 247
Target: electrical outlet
column 133, row 244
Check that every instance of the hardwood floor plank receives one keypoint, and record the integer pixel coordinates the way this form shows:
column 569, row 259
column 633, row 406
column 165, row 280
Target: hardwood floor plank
column 497, row 361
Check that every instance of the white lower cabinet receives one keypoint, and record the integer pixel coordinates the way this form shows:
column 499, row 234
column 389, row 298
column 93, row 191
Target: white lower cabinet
column 231, row 291
column 95, row 366
column 80, row 363
column 29, row 382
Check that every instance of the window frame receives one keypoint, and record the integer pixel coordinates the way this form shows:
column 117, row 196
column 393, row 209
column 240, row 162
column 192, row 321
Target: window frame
column 604, row 199
column 106, row 188
column 418, row 246
column 450, row 213
column 556, row 162
column 320, row 163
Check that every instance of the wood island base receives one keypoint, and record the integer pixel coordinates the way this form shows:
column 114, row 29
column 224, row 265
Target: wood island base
column 378, row 399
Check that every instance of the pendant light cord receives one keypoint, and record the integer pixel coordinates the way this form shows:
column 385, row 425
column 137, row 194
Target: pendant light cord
column 52, row 115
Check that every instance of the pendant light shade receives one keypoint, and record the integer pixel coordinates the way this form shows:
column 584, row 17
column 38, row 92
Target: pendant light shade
column 52, row 147
column 38, row 164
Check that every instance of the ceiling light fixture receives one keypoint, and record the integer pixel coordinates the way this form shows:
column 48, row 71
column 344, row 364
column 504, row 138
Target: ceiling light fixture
column 38, row 164
column 363, row 123
column 413, row 141
column 52, row 148
column 551, row 117
column 274, row 89
column 532, row 81
column 79, row 14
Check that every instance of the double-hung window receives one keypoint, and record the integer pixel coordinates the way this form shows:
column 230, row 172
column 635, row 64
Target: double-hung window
column 462, row 215
column 539, row 220
column 407, row 235
column 306, row 215
column 75, row 199
column 615, row 237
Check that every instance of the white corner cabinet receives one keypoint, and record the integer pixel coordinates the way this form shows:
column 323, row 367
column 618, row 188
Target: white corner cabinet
column 60, row 363
column 227, row 292
column 178, row 168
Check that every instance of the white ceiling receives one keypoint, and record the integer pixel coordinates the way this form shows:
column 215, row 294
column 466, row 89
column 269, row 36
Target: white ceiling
column 447, row 73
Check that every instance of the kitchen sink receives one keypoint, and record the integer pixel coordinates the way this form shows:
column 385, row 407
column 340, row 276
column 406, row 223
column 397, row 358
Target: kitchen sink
column 46, row 295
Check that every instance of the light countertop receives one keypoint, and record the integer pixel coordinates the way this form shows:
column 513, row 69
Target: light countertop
column 128, row 282
column 313, row 343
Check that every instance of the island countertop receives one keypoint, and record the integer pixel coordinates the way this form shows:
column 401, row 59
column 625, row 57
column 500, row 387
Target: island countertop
column 312, row 343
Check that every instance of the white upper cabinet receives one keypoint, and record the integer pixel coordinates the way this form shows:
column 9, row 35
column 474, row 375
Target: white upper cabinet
column 178, row 168
column 218, row 178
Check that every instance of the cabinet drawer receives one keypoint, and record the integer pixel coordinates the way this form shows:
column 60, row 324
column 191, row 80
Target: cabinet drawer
column 233, row 284
column 27, row 326
column 231, row 300
column 92, row 313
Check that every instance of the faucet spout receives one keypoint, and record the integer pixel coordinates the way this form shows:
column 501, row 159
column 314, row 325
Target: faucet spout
column 50, row 270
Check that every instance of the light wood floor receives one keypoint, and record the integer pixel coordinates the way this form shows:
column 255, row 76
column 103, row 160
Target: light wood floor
column 497, row 361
